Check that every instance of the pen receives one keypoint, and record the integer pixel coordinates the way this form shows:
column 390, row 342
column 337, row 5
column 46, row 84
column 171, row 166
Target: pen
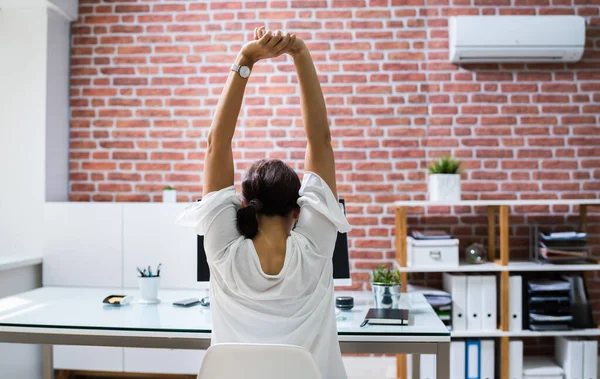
column 158, row 269
column 144, row 273
column 364, row 323
column 149, row 271
column 140, row 271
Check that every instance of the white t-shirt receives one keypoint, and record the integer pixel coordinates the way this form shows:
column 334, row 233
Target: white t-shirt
column 294, row 307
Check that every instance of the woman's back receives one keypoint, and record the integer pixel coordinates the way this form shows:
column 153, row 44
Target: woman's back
column 293, row 305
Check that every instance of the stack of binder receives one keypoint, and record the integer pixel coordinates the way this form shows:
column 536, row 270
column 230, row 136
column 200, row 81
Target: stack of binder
column 472, row 359
column 549, row 306
column 440, row 301
column 578, row 358
column 474, row 304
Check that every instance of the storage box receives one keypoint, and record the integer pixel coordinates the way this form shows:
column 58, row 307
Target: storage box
column 431, row 253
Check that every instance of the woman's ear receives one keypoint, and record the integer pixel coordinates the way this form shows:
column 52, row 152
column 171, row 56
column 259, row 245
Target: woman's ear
column 296, row 213
column 244, row 205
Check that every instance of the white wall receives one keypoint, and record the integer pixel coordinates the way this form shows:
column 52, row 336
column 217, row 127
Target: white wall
column 22, row 127
column 23, row 82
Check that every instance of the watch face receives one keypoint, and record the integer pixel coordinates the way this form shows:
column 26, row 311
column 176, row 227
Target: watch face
column 244, row 71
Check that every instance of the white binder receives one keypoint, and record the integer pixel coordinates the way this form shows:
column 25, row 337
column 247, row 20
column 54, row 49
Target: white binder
column 489, row 319
column 515, row 303
column 457, row 360
column 487, row 359
column 474, row 305
column 515, row 361
column 590, row 359
column 457, row 286
column 568, row 353
column 428, row 366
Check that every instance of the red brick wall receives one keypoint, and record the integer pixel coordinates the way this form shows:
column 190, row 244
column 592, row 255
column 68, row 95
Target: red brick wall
column 146, row 76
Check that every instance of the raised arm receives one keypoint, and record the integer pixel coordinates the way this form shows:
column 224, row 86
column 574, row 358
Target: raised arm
column 319, row 152
column 218, row 162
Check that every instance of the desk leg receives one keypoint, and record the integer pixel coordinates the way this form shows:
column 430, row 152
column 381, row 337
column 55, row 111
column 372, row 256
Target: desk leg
column 416, row 366
column 442, row 363
column 48, row 362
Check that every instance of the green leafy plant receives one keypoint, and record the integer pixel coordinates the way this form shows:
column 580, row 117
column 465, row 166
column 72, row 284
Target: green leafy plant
column 386, row 276
column 445, row 165
column 168, row 188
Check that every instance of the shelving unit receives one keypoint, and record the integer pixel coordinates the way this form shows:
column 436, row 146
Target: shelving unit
column 500, row 264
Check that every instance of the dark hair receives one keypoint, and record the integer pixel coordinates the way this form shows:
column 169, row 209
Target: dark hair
column 269, row 187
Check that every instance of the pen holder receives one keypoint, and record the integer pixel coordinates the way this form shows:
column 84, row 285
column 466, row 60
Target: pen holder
column 149, row 289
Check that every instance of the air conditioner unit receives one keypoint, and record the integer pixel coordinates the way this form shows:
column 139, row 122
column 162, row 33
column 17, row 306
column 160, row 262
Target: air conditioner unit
column 496, row 39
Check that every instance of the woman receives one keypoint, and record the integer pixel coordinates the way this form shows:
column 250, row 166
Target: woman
column 271, row 281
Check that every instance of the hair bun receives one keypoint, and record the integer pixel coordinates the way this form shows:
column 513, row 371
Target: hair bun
column 256, row 204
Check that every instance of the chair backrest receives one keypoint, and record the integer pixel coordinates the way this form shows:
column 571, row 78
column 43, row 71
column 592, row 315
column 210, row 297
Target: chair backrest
column 258, row 361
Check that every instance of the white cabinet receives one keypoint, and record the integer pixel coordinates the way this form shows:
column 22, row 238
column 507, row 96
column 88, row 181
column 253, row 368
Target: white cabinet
column 91, row 358
column 83, row 244
column 150, row 236
column 100, row 245
column 163, row 361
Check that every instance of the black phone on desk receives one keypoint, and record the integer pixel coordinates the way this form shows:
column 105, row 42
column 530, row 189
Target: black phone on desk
column 187, row 302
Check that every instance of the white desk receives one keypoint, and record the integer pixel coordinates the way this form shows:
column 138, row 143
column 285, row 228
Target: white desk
column 77, row 316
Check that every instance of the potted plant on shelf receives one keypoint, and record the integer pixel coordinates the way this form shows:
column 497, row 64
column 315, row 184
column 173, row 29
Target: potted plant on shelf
column 169, row 195
column 386, row 287
column 444, row 180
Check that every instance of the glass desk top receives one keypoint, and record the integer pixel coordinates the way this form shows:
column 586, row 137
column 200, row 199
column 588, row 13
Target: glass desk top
column 82, row 308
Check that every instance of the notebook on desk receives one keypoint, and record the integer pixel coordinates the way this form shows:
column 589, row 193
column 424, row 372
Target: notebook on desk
column 379, row 316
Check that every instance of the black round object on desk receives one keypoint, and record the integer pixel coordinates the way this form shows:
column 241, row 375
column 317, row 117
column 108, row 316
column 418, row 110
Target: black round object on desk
column 344, row 302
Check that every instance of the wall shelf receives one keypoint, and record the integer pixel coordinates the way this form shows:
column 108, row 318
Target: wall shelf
column 517, row 266
column 476, row 203
column 591, row 332
column 497, row 211
column 477, row 333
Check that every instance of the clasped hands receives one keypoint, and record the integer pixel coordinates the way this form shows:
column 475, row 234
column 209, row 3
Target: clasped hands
column 271, row 44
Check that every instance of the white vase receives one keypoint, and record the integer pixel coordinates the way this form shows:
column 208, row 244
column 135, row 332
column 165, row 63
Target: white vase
column 444, row 187
column 169, row 196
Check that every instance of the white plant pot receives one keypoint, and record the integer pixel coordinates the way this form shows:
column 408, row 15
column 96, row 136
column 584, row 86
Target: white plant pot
column 169, row 196
column 444, row 187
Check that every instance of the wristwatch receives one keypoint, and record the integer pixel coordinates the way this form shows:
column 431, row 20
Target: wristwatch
column 243, row 71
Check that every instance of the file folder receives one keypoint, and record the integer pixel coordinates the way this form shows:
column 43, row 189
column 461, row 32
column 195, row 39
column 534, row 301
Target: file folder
column 487, row 359
column 473, row 361
column 457, row 286
column 515, row 303
column 590, row 359
column 457, row 360
column 568, row 353
column 515, row 359
column 474, row 304
column 489, row 320
column 427, row 366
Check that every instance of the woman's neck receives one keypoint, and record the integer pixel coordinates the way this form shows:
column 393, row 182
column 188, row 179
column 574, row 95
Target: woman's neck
column 272, row 231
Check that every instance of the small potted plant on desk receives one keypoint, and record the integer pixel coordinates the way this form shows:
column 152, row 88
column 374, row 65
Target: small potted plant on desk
column 386, row 287
column 169, row 195
column 444, row 180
